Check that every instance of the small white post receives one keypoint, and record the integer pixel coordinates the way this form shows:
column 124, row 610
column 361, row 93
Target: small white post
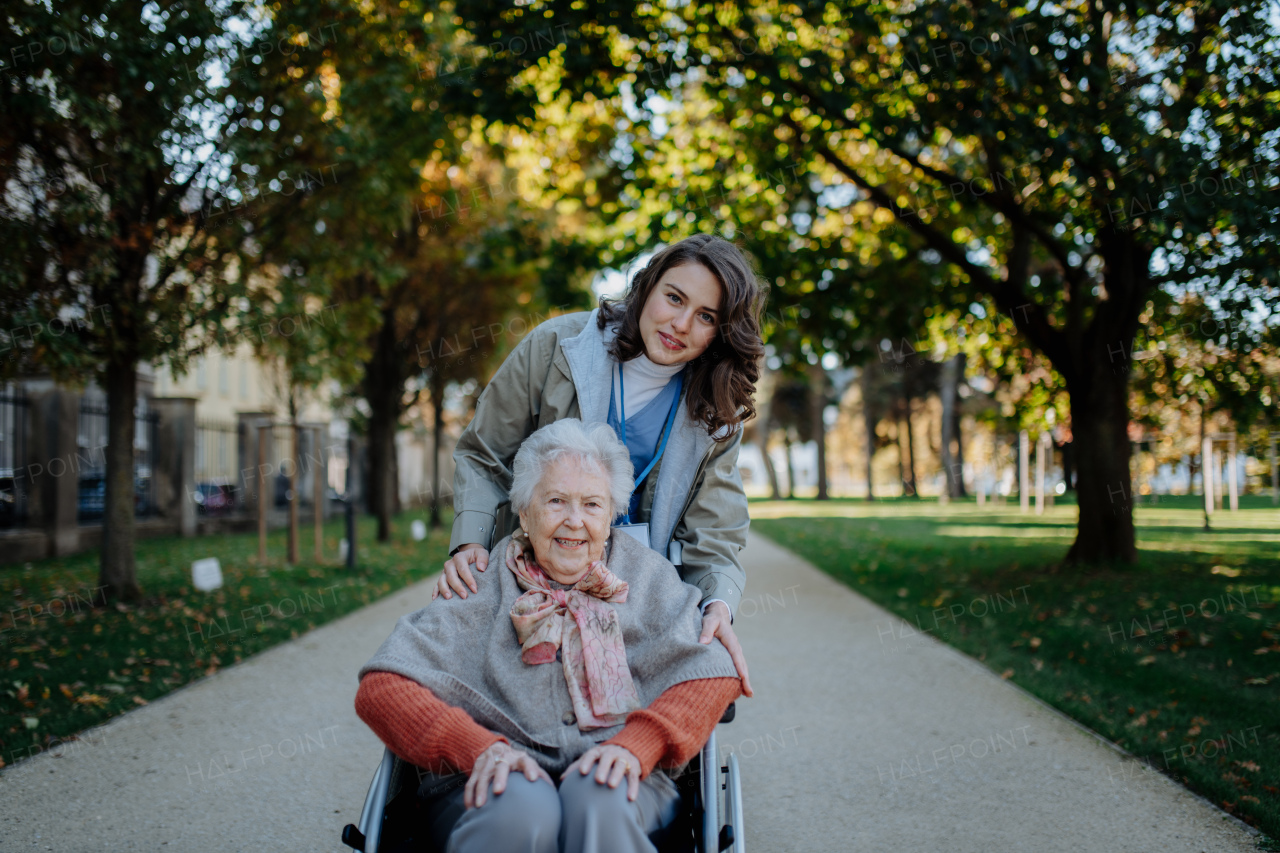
column 1024, row 476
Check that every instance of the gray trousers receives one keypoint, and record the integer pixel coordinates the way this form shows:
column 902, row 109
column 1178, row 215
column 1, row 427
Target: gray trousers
column 581, row 816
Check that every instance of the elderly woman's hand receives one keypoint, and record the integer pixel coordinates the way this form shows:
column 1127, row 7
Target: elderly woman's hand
column 615, row 763
column 457, row 571
column 717, row 622
column 494, row 765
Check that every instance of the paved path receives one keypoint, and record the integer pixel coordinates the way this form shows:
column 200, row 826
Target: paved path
column 856, row 740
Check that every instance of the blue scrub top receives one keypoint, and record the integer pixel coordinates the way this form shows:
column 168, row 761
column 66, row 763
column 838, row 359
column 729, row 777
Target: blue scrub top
column 644, row 429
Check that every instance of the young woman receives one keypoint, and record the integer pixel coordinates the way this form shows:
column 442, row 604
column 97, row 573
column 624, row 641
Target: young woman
column 672, row 366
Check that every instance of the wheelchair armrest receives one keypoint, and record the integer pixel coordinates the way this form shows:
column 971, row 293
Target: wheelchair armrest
column 729, row 713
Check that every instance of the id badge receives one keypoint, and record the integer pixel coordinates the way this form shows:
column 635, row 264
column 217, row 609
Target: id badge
column 638, row 531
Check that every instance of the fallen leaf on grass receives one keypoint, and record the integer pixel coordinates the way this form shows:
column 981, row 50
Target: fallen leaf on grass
column 30, row 722
column 138, row 700
column 92, row 699
column 1149, row 659
column 1007, row 674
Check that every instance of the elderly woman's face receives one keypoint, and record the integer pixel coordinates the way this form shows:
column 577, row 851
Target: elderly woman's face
column 568, row 519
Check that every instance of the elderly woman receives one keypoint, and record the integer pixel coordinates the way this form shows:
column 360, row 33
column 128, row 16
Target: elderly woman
column 579, row 667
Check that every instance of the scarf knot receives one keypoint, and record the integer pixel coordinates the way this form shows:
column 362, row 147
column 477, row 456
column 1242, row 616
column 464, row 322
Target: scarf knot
column 581, row 623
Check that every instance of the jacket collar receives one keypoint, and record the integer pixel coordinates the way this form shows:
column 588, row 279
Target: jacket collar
column 591, row 368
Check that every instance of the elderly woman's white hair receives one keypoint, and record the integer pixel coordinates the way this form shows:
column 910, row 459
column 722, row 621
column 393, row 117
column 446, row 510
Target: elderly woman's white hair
column 592, row 444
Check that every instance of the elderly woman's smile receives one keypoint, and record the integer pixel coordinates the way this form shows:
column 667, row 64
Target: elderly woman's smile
column 568, row 518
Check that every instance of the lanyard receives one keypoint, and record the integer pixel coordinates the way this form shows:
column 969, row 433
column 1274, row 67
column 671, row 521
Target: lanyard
column 666, row 429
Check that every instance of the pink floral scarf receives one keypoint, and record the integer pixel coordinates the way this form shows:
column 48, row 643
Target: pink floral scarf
column 585, row 628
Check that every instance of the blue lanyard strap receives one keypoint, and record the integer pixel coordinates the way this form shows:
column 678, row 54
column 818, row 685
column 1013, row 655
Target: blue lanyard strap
column 666, row 429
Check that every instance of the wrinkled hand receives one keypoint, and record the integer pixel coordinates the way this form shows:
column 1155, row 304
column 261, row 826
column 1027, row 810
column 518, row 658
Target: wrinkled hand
column 615, row 763
column 717, row 622
column 494, row 765
column 457, row 572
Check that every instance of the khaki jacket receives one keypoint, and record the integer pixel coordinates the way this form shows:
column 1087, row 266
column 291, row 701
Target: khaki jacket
column 563, row 370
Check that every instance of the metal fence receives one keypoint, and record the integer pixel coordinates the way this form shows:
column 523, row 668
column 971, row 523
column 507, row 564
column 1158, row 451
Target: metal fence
column 91, row 445
column 218, row 464
column 13, row 457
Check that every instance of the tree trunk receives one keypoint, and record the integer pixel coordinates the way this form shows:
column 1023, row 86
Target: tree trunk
column 437, row 426
column 911, row 450
column 791, row 466
column 1100, row 434
column 902, row 456
column 1205, row 482
column 956, row 432
column 947, row 382
column 1068, row 465
column 117, row 570
column 869, row 421
column 764, row 426
column 384, row 392
column 775, row 492
column 295, row 481
column 382, row 451
column 817, row 403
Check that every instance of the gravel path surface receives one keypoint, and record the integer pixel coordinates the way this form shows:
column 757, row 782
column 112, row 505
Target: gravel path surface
column 858, row 739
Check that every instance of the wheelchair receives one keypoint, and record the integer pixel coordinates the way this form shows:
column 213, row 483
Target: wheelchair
column 709, row 820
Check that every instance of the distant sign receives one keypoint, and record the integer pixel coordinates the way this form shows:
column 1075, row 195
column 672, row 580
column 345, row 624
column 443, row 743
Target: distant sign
column 342, row 550
column 418, row 529
column 206, row 574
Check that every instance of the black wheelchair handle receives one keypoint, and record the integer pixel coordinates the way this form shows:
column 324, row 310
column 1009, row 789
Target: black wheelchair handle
column 352, row 837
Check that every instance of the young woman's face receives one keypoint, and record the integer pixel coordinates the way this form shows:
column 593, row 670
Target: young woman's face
column 680, row 317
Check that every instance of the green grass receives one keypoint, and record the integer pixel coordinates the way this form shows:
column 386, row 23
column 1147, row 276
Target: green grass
column 1177, row 658
column 67, row 662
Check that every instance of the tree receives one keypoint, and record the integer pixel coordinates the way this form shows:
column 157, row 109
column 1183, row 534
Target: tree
column 112, row 152
column 427, row 236
column 1044, row 155
column 1064, row 163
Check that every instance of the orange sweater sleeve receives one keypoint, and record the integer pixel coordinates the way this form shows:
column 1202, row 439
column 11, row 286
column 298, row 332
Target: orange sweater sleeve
column 672, row 730
column 418, row 726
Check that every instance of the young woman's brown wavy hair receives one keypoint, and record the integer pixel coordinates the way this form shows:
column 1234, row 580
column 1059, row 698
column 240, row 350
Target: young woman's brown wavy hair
column 719, row 383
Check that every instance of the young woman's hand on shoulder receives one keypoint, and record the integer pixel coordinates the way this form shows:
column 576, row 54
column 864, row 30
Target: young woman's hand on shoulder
column 457, row 575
